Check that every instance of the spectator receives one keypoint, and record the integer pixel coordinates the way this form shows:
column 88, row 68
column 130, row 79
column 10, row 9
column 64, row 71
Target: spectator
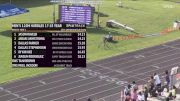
column 157, row 80
column 145, row 93
column 134, row 86
column 127, row 92
column 153, row 93
column 166, row 94
column 89, row 99
column 134, row 95
column 157, row 83
column 151, row 85
column 140, row 96
column 167, row 79
column 173, row 92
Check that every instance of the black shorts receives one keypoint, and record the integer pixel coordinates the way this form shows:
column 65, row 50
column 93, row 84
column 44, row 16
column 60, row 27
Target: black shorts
column 158, row 85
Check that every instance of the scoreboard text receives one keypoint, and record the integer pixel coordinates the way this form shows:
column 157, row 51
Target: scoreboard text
column 48, row 45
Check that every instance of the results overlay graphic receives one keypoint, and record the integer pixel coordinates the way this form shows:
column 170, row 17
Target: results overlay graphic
column 48, row 45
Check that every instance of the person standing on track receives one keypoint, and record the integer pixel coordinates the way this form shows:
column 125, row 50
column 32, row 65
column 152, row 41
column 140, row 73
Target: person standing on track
column 157, row 83
column 167, row 79
column 157, row 80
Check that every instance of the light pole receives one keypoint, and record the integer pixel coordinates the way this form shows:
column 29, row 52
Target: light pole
column 98, row 14
column 54, row 9
column 54, row 14
column 98, row 18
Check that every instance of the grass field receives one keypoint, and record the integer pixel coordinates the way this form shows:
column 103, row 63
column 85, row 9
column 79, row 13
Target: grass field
column 145, row 16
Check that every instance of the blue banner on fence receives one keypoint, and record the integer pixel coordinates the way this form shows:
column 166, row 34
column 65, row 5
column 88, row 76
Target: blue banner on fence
column 10, row 10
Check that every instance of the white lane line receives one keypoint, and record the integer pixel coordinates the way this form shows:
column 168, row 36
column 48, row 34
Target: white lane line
column 65, row 90
column 173, row 47
column 85, row 91
column 110, row 95
column 153, row 70
column 132, row 60
column 64, row 85
column 60, row 91
column 152, row 65
column 156, row 66
column 138, row 70
column 100, row 64
column 40, row 79
column 54, row 76
column 14, row 94
column 127, row 58
column 116, row 60
column 71, row 94
column 56, row 82
column 139, row 56
column 49, row 78
column 40, row 85
column 142, row 49
column 40, row 75
column 57, row 86
column 120, row 92
column 102, row 91
column 82, row 76
column 59, row 81
column 42, row 82
column 128, row 77
column 149, row 61
column 116, row 71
